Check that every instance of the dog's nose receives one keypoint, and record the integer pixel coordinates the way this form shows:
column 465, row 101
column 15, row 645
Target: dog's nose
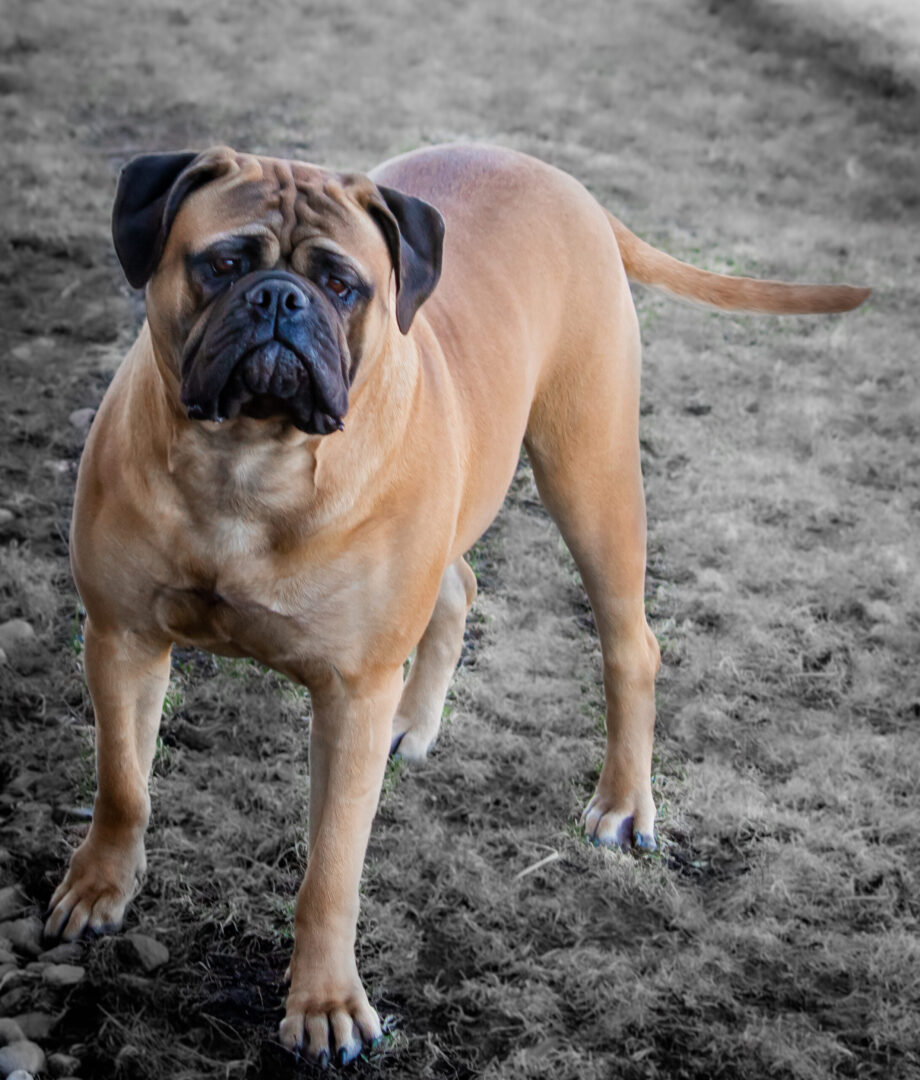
column 279, row 295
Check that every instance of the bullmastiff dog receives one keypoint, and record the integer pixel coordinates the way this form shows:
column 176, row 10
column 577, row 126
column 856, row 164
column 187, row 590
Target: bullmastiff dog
column 321, row 414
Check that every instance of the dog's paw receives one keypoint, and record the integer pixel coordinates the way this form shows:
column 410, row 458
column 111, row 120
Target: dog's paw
column 330, row 1030
column 624, row 824
column 93, row 896
column 411, row 745
column 414, row 737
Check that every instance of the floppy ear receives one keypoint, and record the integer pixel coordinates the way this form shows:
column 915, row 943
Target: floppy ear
column 414, row 232
column 150, row 191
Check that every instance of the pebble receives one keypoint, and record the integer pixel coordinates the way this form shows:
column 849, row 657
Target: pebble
column 62, row 1064
column 7, row 956
column 24, row 934
column 36, row 1025
column 13, row 999
column 81, row 419
column 138, row 984
column 10, row 976
column 10, row 1031
column 65, row 953
column 12, row 902
column 62, row 975
column 6, row 516
column 14, row 634
column 880, row 612
column 24, row 781
column 150, row 952
column 24, row 1055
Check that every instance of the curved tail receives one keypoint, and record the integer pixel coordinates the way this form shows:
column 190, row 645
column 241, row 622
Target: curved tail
column 650, row 266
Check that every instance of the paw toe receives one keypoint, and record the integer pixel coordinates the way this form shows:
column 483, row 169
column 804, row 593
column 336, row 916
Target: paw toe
column 622, row 829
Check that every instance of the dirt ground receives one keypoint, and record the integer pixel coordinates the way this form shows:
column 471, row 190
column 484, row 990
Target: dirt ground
column 775, row 932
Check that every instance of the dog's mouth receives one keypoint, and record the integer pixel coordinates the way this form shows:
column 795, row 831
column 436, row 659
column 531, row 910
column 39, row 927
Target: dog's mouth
column 294, row 368
column 271, row 380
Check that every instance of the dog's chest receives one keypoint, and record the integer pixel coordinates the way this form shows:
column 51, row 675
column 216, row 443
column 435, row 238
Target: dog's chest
column 236, row 589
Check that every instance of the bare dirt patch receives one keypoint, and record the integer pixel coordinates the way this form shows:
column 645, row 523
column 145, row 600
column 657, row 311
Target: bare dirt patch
column 776, row 932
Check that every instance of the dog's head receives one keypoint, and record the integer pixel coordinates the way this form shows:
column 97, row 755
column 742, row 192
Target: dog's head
column 268, row 280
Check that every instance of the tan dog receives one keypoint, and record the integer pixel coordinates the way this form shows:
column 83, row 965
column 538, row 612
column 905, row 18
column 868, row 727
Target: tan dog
column 285, row 299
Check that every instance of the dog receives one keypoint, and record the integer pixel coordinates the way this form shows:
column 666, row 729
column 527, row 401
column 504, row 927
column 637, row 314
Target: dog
column 322, row 412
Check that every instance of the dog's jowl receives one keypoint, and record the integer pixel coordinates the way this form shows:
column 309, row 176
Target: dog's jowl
column 322, row 413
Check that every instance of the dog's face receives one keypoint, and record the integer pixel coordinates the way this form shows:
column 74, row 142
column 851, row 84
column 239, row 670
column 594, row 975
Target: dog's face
column 268, row 281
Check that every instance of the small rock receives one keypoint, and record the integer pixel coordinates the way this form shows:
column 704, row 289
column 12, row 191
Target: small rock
column 6, row 516
column 880, row 612
column 10, row 1031
column 24, row 781
column 12, row 902
column 150, row 953
column 24, row 934
column 6, row 967
column 14, row 634
column 7, row 956
column 13, row 999
column 36, row 1025
column 884, row 633
column 65, row 953
column 24, row 1055
column 62, row 1064
column 36, row 968
column 81, row 419
column 61, row 975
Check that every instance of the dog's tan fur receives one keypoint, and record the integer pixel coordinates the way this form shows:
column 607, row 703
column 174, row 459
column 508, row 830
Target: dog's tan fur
column 331, row 557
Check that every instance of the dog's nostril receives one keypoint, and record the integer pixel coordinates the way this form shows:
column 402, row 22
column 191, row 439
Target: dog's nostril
column 259, row 298
column 294, row 300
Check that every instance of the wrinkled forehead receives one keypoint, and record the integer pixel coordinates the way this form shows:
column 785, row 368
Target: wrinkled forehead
column 292, row 201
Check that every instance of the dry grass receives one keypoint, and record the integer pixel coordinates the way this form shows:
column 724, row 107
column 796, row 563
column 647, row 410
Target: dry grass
column 775, row 934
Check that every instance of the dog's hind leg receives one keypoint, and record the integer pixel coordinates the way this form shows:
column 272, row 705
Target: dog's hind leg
column 584, row 447
column 418, row 718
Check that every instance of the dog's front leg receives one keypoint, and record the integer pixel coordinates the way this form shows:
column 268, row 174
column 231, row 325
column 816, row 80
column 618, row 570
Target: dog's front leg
column 328, row 1013
column 127, row 677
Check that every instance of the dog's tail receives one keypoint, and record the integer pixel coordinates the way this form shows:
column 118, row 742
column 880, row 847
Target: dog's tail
column 650, row 266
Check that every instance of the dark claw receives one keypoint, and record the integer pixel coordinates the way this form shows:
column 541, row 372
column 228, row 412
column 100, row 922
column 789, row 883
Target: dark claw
column 394, row 745
column 195, row 412
column 323, row 1059
column 644, row 842
column 346, row 1054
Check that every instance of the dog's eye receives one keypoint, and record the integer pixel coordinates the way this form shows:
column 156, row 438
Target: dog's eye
column 339, row 287
column 225, row 266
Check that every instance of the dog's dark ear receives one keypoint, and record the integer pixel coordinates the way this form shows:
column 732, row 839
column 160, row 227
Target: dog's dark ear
column 150, row 191
column 414, row 232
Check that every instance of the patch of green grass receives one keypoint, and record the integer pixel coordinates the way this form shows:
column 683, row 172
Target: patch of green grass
column 396, row 767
